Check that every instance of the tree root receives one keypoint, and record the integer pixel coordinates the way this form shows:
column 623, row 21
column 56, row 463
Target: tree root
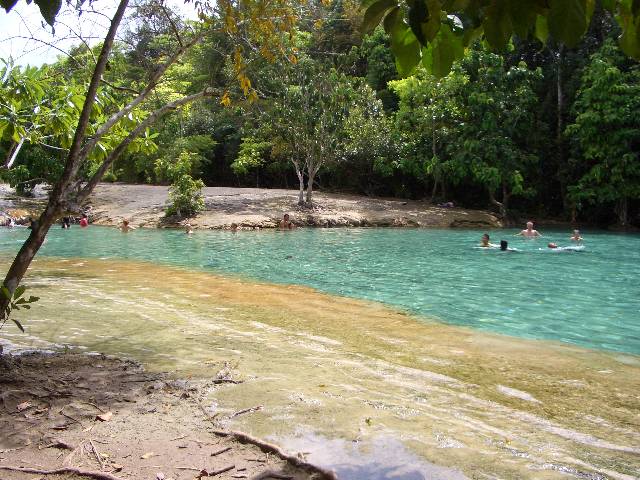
column 271, row 448
column 57, row 471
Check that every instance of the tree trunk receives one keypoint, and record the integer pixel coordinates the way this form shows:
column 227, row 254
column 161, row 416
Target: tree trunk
column 312, row 175
column 501, row 205
column 622, row 209
column 301, row 185
column 434, row 190
column 57, row 197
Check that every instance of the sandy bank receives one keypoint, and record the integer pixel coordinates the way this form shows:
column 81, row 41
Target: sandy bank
column 111, row 420
column 263, row 208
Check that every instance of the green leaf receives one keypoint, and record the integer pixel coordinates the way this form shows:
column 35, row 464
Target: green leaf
column 375, row 12
column 417, row 15
column 568, row 20
column 523, row 16
column 542, row 29
column 5, row 292
column 404, row 44
column 49, row 9
column 18, row 324
column 497, row 24
column 439, row 56
column 19, row 291
column 630, row 38
column 33, row 299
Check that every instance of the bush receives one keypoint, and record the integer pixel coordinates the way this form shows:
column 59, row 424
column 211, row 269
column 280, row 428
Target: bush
column 185, row 192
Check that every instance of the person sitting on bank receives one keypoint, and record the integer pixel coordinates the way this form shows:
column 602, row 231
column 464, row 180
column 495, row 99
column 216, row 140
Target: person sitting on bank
column 529, row 232
column 576, row 236
column 286, row 223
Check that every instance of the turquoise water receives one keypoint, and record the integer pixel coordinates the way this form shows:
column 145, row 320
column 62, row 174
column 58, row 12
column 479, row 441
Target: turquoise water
column 589, row 298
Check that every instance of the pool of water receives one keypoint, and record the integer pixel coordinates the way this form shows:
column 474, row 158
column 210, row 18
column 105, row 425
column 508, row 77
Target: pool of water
column 589, row 298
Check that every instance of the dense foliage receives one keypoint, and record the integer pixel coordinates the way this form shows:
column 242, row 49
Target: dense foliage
column 546, row 129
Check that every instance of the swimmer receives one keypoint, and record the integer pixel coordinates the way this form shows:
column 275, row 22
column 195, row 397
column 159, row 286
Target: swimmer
column 125, row 227
column 485, row 242
column 552, row 245
column 84, row 221
column 66, row 223
column 188, row 229
column 504, row 246
column 529, row 232
column 234, row 227
column 286, row 224
column 576, row 236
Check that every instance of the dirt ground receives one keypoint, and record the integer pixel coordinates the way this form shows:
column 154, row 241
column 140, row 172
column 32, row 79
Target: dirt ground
column 109, row 419
column 252, row 208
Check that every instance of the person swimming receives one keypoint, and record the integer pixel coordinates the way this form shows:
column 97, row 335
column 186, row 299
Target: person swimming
column 188, row 229
column 484, row 242
column 125, row 227
column 529, row 232
column 576, row 236
column 286, row 223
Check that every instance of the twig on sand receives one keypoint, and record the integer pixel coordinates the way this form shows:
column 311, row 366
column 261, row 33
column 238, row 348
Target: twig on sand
column 271, row 474
column 189, row 468
column 59, row 471
column 205, row 473
column 226, row 380
column 70, row 417
column 220, row 452
column 246, row 410
column 95, row 406
column 95, row 452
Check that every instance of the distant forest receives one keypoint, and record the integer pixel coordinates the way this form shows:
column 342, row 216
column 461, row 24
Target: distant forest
column 541, row 130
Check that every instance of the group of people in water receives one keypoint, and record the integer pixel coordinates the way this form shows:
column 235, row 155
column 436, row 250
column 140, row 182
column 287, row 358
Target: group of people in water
column 528, row 232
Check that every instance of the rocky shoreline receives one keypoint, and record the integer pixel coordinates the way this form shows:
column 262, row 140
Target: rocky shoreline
column 252, row 208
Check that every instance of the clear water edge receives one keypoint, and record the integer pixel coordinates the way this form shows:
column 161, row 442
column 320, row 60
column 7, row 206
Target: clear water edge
column 589, row 298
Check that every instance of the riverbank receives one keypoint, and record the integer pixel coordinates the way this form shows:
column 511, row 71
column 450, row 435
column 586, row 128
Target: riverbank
column 252, row 208
column 106, row 418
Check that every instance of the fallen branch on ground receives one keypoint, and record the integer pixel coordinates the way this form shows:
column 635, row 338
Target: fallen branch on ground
column 58, row 471
column 270, row 448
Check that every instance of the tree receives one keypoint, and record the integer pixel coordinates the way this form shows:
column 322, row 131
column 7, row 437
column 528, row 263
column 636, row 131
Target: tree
column 436, row 32
column 606, row 132
column 428, row 120
column 250, row 20
column 497, row 121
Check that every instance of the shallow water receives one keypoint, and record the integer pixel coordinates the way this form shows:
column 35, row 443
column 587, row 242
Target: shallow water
column 368, row 390
column 589, row 298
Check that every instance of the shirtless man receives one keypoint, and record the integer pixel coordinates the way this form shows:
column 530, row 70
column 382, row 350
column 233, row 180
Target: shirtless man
column 125, row 227
column 286, row 224
column 576, row 236
column 529, row 232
